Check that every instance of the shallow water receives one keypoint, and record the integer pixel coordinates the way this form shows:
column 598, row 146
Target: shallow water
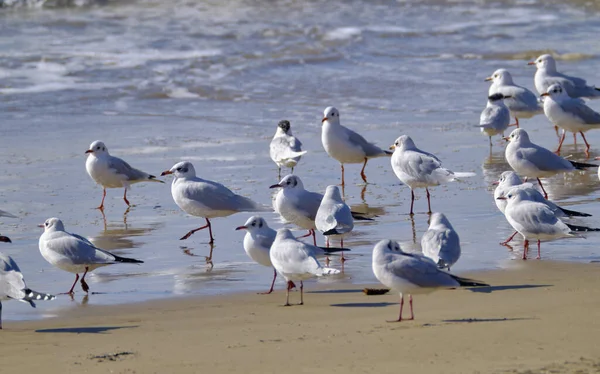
column 207, row 82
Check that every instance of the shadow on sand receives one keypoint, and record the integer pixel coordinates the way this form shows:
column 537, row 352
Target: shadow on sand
column 86, row 330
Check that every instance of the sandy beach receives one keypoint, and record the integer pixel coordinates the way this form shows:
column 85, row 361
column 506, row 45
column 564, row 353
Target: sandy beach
column 539, row 317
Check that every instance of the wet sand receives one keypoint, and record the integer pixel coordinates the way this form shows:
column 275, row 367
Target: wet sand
column 538, row 316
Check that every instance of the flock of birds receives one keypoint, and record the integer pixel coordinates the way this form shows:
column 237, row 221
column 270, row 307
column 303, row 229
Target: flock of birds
column 526, row 209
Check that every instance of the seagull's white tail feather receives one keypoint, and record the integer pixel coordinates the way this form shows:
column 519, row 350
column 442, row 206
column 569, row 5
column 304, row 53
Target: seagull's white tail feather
column 465, row 174
column 330, row 271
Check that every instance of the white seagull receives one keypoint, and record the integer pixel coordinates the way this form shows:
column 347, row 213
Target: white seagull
column 419, row 169
column 12, row 284
column 203, row 198
column 495, row 118
column 533, row 161
column 74, row 253
column 411, row 273
column 440, row 242
column 296, row 261
column 522, row 103
column 285, row 148
column 535, row 221
column 509, row 180
column 569, row 114
column 112, row 172
column 547, row 75
column 345, row 145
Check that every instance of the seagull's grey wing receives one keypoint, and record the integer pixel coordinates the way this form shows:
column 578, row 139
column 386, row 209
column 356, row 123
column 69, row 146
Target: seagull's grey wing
column 12, row 283
column 543, row 159
column 370, row 149
column 295, row 144
column 424, row 166
column 83, row 239
column 215, row 196
column 123, row 168
column 579, row 109
column 537, row 218
column 77, row 250
column 334, row 216
column 575, row 82
column 421, row 271
column 308, row 204
column 521, row 100
column 494, row 117
column 295, row 258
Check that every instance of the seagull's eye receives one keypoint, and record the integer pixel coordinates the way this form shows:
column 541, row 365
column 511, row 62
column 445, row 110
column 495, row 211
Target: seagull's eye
column 98, row 148
column 253, row 223
column 496, row 76
column 47, row 224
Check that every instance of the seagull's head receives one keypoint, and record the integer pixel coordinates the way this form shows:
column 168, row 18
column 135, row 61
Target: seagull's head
column 386, row 246
column 284, row 126
column 437, row 218
column 97, row 148
column 500, row 76
column 333, row 192
column 183, row 169
column 514, row 195
column 555, row 91
column 508, row 179
column 518, row 135
column 546, row 62
column 404, row 142
column 53, row 224
column 284, row 234
column 331, row 114
column 5, row 239
column 290, row 181
column 497, row 97
column 254, row 224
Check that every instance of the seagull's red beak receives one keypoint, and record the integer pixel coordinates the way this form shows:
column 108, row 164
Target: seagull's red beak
column 324, row 119
column 495, row 183
column 89, row 151
column 42, row 225
column 276, row 186
column 501, row 198
column 531, row 63
column 545, row 94
column 506, row 138
column 241, row 228
column 166, row 172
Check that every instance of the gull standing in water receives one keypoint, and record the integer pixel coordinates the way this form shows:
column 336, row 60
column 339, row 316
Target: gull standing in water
column 547, row 75
column 12, row 283
column 535, row 221
column 112, row 172
column 296, row 261
column 531, row 160
column 440, row 242
column 495, row 118
column 345, row 145
column 411, row 273
column 203, row 198
column 521, row 102
column 419, row 169
column 569, row 114
column 510, row 180
column 334, row 217
column 300, row 206
column 74, row 253
column 285, row 148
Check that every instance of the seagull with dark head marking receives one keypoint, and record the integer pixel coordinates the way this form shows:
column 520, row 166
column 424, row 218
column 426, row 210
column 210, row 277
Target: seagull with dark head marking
column 285, row 149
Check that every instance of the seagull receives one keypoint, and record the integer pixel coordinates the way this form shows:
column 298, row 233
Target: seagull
column 440, row 242
column 296, row 261
column 495, row 118
column 74, row 253
column 412, row 273
column 112, row 172
column 12, row 284
column 569, row 114
column 509, row 180
column 419, row 169
column 300, row 206
column 546, row 75
column 334, row 217
column 258, row 240
column 285, row 148
column 531, row 160
column 535, row 221
column 345, row 145
column 203, row 198
column 522, row 103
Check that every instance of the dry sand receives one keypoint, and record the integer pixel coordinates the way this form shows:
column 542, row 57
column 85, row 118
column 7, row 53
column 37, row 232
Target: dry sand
column 541, row 317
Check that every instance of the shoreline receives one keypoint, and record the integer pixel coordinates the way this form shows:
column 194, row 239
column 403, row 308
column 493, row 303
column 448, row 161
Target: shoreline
column 536, row 315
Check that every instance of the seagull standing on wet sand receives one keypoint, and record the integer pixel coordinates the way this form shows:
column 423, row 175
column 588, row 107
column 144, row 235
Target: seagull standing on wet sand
column 296, row 261
column 345, row 145
column 419, row 169
column 531, row 160
column 285, row 149
column 112, row 172
column 203, row 198
column 12, row 283
column 440, row 242
column 74, row 253
column 547, row 75
column 569, row 114
column 411, row 273
column 522, row 103
column 494, row 119
column 334, row 217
